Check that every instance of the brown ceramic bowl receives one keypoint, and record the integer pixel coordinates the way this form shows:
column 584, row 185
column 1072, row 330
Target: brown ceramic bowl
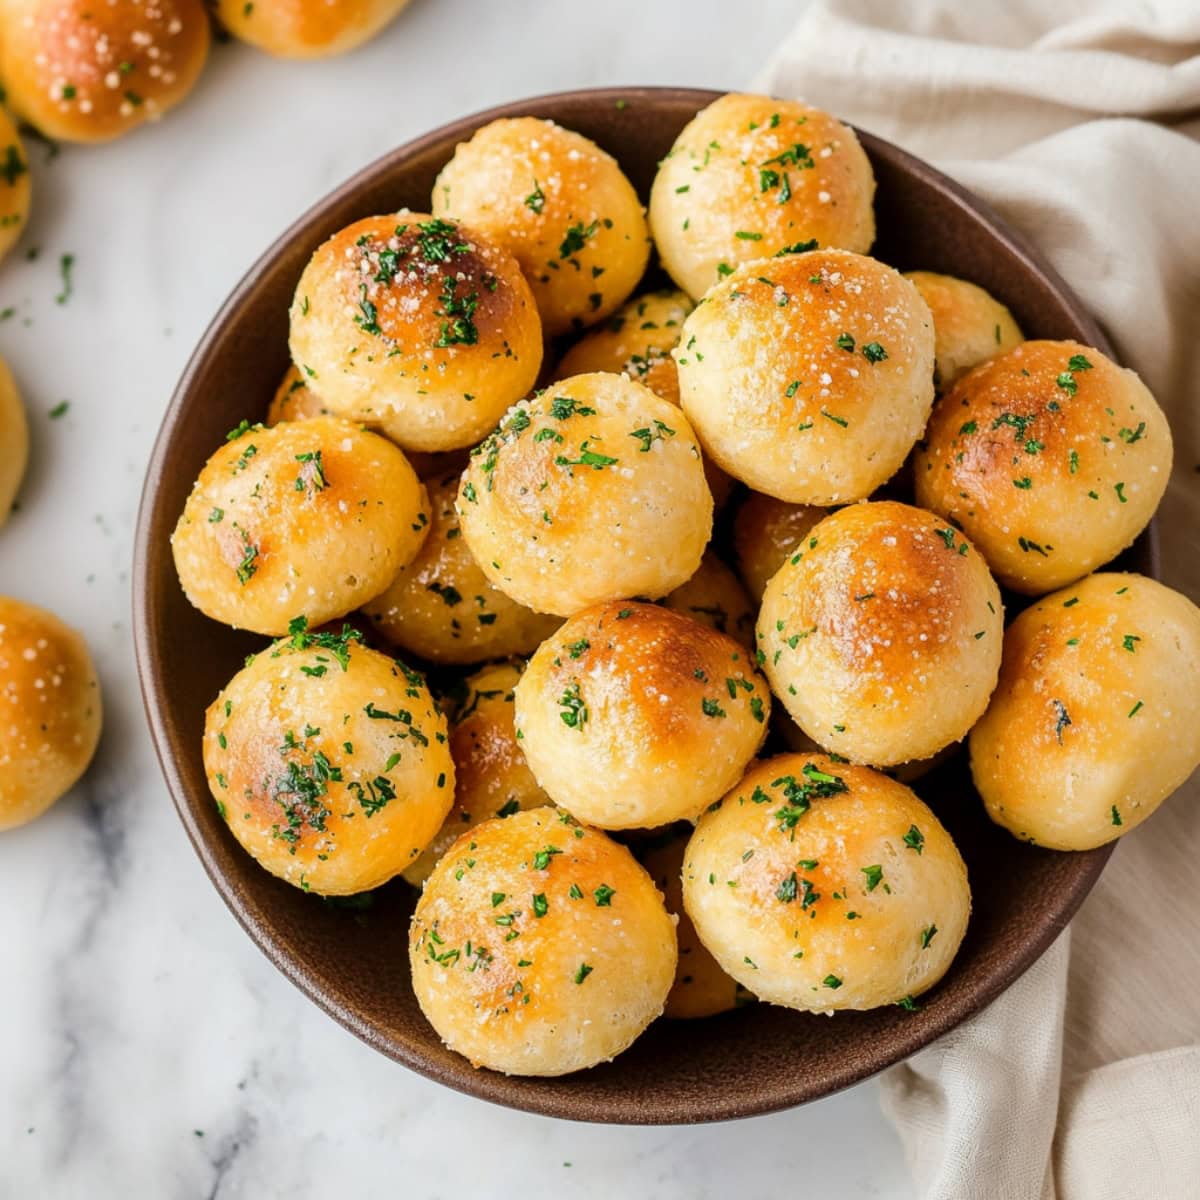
column 354, row 964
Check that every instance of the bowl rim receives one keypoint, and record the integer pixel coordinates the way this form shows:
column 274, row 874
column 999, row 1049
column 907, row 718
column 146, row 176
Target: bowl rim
column 483, row 1084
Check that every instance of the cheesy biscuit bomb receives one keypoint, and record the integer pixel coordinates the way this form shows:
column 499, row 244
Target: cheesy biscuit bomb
column 82, row 71
column 751, row 176
column 307, row 28
column 1051, row 458
column 809, row 377
column 329, row 762
column 1098, row 701
column 632, row 716
column 308, row 518
column 820, row 886
column 419, row 325
column 592, row 490
column 540, row 947
column 560, row 206
column 882, row 636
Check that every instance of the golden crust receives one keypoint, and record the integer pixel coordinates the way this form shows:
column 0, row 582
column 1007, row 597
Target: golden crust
column 329, row 762
column 765, row 532
column 307, row 28
column 1093, row 723
column 809, row 377
column 14, row 438
column 561, row 206
column 749, row 176
column 969, row 324
column 886, row 612
column 1051, row 468
column 592, row 490
column 50, row 711
column 701, row 988
column 823, row 886
column 419, row 324
column 491, row 776
column 86, row 72
column 540, row 947
column 311, row 518
column 714, row 596
column 442, row 607
column 15, row 184
column 632, row 716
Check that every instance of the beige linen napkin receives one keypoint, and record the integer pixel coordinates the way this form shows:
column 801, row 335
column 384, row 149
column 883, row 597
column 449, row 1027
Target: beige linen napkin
column 1078, row 120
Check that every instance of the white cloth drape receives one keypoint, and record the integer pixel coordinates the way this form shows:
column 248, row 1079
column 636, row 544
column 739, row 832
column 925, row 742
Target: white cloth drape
column 1080, row 121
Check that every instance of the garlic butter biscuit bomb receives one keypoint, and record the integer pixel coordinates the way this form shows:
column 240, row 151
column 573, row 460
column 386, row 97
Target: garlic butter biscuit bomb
column 766, row 532
column 637, row 341
column 329, row 762
column 592, row 490
column 809, row 377
column 632, row 716
column 701, row 987
column 307, row 28
column 442, row 607
column 15, row 185
column 750, row 177
column 50, row 711
column 1097, row 700
column 969, row 324
column 1051, row 458
column 882, row 636
column 491, row 776
column 560, row 205
column 418, row 324
column 714, row 596
column 540, row 947
column 310, row 518
column 80, row 71
column 823, row 886
column 14, row 441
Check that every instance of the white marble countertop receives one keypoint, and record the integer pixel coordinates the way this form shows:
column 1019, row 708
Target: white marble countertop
column 147, row 1048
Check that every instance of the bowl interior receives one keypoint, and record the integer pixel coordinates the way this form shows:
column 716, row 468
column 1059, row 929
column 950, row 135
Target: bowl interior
column 353, row 961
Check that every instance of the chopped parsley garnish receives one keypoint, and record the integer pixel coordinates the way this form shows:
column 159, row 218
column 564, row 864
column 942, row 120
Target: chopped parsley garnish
column 874, row 876
column 574, row 711
column 914, row 839
column 536, row 200
column 603, row 896
column 873, row 352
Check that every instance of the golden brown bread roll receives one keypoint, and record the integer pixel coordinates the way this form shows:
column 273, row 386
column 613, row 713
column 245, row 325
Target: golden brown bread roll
column 701, row 988
column 306, row 28
column 311, row 518
column 329, row 762
column 1052, row 458
column 83, row 71
column 809, row 377
column 418, row 324
column 765, row 532
column 560, row 205
column 15, row 185
column 882, row 636
column 714, row 596
column 491, row 776
column 50, row 711
column 592, row 490
column 1094, row 722
column 540, row 947
column 632, row 716
column 14, row 441
column 969, row 324
column 442, row 607
column 751, row 176
column 823, row 886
